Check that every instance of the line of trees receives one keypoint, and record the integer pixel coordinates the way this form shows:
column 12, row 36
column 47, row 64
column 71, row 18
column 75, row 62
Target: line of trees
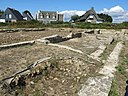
column 74, row 18
column 105, row 17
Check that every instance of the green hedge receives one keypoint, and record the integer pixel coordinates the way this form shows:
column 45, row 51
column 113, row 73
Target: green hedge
column 57, row 24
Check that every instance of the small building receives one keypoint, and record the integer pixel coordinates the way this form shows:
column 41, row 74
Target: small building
column 48, row 16
column 91, row 16
column 11, row 15
column 27, row 16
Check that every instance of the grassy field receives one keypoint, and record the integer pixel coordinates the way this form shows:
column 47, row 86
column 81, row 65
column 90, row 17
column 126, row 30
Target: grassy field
column 83, row 25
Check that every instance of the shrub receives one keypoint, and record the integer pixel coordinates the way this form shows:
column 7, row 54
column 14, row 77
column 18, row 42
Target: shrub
column 57, row 22
column 3, row 24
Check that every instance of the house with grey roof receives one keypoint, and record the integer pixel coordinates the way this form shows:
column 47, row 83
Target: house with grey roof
column 48, row 16
column 91, row 16
column 11, row 15
column 27, row 16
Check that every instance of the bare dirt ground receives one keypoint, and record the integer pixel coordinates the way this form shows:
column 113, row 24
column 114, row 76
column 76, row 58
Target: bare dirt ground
column 7, row 38
column 71, row 71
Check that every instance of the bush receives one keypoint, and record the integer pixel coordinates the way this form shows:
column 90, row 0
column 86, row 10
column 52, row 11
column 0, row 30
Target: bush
column 60, row 24
column 57, row 22
column 3, row 24
column 25, row 24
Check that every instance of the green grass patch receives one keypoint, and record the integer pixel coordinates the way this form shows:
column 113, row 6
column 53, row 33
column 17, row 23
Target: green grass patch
column 113, row 91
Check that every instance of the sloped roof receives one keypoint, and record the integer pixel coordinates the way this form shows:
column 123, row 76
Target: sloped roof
column 49, row 12
column 91, row 11
column 16, row 13
column 27, row 13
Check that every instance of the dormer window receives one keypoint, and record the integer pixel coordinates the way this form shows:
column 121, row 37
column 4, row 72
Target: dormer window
column 91, row 16
column 48, row 16
column 53, row 16
column 10, row 16
column 41, row 16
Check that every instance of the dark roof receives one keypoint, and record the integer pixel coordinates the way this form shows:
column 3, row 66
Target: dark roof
column 28, row 14
column 16, row 13
column 49, row 12
column 91, row 11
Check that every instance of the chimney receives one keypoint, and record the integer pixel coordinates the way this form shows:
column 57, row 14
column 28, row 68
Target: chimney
column 92, row 8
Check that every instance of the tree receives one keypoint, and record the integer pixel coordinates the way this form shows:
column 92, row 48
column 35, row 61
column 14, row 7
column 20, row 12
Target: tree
column 74, row 18
column 1, row 12
column 105, row 17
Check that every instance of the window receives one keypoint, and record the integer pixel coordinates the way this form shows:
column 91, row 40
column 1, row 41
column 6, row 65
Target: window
column 10, row 15
column 47, row 16
column 41, row 16
column 91, row 16
column 53, row 16
column 6, row 15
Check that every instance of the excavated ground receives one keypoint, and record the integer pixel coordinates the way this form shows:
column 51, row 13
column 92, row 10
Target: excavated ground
column 14, row 37
column 72, row 68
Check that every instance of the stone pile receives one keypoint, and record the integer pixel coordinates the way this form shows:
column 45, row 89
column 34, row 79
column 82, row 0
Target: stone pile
column 34, row 69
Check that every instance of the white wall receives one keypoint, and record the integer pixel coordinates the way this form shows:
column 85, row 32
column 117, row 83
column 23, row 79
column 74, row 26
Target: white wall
column 2, row 20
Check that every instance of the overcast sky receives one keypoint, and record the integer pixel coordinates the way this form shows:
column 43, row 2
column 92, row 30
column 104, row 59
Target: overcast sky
column 118, row 9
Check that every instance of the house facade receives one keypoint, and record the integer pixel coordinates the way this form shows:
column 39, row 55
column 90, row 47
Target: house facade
column 27, row 16
column 91, row 16
column 11, row 15
column 48, row 16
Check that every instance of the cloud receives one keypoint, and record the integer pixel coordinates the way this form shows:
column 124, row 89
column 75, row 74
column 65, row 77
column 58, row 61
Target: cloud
column 116, row 9
column 69, row 13
column 118, row 14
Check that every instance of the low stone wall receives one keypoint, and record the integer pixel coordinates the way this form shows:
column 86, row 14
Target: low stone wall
column 16, row 44
column 101, row 85
column 67, row 47
column 22, row 29
column 56, row 38
column 52, row 39
column 95, row 55
column 45, row 40
column 74, row 35
column 92, row 31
